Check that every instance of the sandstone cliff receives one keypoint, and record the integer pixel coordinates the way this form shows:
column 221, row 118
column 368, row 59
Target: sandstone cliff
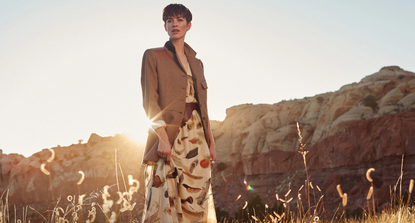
column 366, row 124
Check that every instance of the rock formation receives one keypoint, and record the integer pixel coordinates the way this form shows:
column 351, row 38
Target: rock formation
column 369, row 124
column 362, row 125
column 26, row 184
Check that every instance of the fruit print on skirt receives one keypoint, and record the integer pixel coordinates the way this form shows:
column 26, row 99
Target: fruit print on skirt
column 181, row 191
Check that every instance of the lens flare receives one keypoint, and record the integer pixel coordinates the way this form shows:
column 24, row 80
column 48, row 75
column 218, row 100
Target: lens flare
column 247, row 186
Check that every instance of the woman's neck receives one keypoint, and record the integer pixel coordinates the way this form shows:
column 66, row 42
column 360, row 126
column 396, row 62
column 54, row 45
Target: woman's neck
column 178, row 46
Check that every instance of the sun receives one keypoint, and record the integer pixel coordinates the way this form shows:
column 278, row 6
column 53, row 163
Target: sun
column 139, row 128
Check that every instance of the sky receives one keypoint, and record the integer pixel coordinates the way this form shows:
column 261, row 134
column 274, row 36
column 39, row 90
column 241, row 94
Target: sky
column 72, row 68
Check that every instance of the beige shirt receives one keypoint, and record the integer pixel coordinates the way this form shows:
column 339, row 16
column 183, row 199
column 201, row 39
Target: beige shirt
column 190, row 92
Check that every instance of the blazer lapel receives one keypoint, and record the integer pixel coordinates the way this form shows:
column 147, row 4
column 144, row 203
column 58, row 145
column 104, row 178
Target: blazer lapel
column 195, row 67
column 171, row 48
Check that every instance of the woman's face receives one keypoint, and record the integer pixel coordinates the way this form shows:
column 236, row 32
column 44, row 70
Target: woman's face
column 176, row 27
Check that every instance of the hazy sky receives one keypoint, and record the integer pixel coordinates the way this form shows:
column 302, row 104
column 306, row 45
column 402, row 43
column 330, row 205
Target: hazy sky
column 72, row 68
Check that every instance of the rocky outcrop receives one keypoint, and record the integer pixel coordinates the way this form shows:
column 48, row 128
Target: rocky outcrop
column 7, row 163
column 256, row 130
column 366, row 124
column 369, row 124
column 103, row 160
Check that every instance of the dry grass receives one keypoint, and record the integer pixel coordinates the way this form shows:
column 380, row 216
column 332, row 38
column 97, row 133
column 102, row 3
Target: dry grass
column 311, row 210
column 402, row 215
column 81, row 208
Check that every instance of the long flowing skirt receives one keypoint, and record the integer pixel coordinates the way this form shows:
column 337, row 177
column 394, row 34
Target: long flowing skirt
column 181, row 191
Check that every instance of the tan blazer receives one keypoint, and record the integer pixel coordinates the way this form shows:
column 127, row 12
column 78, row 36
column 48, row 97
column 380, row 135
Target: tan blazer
column 164, row 83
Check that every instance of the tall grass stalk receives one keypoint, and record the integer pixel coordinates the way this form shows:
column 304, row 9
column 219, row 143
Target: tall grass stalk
column 81, row 217
column 371, row 193
column 304, row 154
column 4, row 206
column 411, row 187
column 401, row 178
column 46, row 172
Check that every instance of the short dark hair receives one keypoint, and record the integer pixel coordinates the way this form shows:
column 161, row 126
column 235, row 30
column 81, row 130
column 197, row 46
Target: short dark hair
column 176, row 10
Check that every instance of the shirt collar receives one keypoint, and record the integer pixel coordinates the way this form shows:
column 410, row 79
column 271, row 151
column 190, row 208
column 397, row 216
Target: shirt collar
column 187, row 49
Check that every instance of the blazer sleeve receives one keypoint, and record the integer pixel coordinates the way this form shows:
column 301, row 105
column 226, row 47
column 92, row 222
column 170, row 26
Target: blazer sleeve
column 149, row 86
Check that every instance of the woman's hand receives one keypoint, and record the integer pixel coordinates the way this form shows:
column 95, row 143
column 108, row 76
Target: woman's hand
column 164, row 147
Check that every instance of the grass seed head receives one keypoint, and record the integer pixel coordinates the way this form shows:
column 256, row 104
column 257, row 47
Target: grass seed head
column 131, row 181
column 344, row 200
column 411, row 185
column 318, row 188
column 277, row 215
column 369, row 194
column 51, row 156
column 113, row 217
column 289, row 191
column 42, row 168
column 238, row 197
column 92, row 213
column 368, row 174
column 301, row 187
column 74, row 217
column 82, row 177
column 246, row 204
column 106, row 206
column 121, row 196
column 81, row 199
column 339, row 190
column 127, row 206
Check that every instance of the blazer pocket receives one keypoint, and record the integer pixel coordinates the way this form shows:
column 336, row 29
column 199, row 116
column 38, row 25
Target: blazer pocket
column 204, row 85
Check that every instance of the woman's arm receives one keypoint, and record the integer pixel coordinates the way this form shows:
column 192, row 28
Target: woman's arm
column 149, row 86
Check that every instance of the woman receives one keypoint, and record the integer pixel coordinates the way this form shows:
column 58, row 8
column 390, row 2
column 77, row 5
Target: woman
column 180, row 147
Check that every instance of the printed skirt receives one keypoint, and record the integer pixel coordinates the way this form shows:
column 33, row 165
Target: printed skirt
column 181, row 191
